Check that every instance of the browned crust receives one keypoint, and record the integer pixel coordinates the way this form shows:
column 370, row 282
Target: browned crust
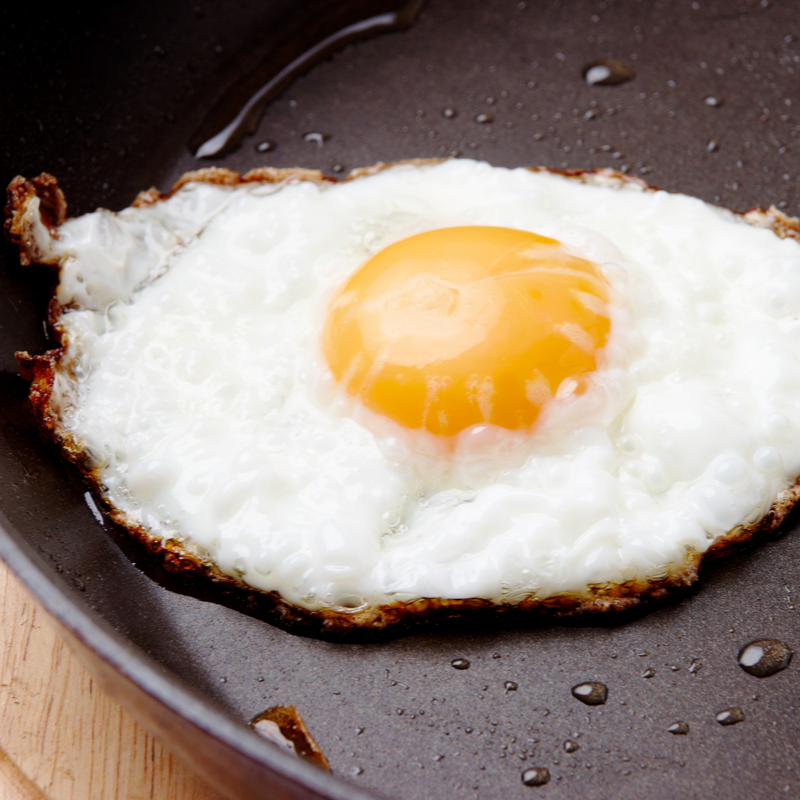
column 293, row 729
column 52, row 211
column 221, row 176
column 773, row 218
column 40, row 371
column 334, row 622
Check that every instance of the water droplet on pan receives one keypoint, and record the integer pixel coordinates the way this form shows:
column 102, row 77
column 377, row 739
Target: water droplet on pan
column 484, row 119
column 316, row 137
column 695, row 666
column 591, row 693
column 570, row 746
column 460, row 663
column 713, row 102
column 730, row 716
column 679, row 728
column 765, row 657
column 265, row 147
column 449, row 113
column 607, row 73
column 649, row 673
column 510, row 686
column 536, row 776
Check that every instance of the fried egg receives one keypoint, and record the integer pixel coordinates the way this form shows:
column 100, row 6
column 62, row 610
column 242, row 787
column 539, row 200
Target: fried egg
column 431, row 385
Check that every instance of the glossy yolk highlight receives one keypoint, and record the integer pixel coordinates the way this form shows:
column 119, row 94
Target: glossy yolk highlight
column 467, row 325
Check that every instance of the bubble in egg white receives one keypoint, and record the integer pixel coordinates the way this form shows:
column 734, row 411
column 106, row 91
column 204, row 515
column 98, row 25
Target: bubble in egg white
column 767, row 460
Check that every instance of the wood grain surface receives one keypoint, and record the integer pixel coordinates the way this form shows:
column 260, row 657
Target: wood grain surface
column 61, row 736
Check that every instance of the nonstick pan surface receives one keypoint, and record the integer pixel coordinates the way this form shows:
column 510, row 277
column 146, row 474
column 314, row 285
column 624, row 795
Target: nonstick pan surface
column 107, row 100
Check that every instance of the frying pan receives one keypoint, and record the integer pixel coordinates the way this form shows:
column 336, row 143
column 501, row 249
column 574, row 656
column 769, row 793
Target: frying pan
column 109, row 98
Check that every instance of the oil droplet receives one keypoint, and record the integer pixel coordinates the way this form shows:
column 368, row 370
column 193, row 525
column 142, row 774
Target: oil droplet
column 316, row 137
column 460, row 663
column 571, row 747
column 338, row 167
column 510, row 686
column 607, row 73
column 649, row 673
column 712, row 146
column 449, row 113
column 765, row 657
column 265, row 147
column 713, row 102
column 679, row 728
column 695, row 666
column 730, row 716
column 592, row 693
column 284, row 727
column 484, row 119
column 536, row 776
column 238, row 113
column 354, row 772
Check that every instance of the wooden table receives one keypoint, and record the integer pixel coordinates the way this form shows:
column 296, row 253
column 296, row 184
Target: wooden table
column 61, row 736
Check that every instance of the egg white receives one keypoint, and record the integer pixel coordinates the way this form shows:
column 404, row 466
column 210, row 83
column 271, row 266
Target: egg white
column 193, row 376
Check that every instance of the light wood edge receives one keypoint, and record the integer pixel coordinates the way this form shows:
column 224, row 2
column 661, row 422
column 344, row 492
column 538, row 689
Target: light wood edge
column 15, row 784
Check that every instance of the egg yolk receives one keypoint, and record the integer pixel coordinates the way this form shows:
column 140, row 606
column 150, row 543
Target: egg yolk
column 467, row 325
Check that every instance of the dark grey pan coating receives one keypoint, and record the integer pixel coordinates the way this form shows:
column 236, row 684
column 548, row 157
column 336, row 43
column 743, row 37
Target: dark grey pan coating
column 108, row 99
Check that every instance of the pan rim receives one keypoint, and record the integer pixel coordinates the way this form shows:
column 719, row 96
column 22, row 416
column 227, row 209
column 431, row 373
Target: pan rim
column 131, row 664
